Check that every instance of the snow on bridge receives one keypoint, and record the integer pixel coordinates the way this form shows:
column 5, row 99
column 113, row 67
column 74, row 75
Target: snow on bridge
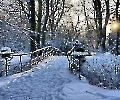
column 51, row 80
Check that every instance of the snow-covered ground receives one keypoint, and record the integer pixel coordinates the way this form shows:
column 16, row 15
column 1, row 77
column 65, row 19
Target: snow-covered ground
column 51, row 80
column 103, row 70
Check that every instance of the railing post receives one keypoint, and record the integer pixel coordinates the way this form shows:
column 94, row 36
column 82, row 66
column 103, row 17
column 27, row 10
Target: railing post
column 6, row 66
column 21, row 63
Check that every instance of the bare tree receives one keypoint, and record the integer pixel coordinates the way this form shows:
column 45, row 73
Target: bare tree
column 54, row 10
column 44, row 29
column 39, row 21
column 23, row 8
column 56, row 13
column 106, row 22
column 33, row 24
column 98, row 20
column 118, row 19
column 99, row 7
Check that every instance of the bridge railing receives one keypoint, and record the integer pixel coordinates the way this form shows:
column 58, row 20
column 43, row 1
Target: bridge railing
column 40, row 54
column 18, row 63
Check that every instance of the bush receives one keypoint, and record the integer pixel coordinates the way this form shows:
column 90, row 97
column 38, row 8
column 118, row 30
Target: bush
column 102, row 70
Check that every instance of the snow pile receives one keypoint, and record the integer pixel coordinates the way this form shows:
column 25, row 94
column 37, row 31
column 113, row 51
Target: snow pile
column 102, row 70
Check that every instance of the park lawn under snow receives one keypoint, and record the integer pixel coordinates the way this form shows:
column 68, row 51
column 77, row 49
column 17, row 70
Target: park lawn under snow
column 51, row 80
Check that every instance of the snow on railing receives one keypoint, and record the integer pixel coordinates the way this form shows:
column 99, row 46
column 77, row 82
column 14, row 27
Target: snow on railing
column 76, row 57
column 14, row 64
column 42, row 53
column 20, row 62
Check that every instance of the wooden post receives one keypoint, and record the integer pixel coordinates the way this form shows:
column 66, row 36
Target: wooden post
column 6, row 66
column 21, row 63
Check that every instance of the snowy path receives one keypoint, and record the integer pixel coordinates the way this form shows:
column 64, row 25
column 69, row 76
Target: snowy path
column 52, row 81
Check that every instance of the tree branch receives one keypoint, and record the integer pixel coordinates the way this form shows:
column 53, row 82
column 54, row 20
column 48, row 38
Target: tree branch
column 60, row 14
column 21, row 4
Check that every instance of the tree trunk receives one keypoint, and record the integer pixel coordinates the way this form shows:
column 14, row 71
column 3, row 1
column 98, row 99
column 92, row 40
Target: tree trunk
column 52, row 17
column 61, row 14
column 33, row 25
column 86, row 16
column 98, row 20
column 117, row 18
column 39, row 22
column 45, row 23
column 106, row 22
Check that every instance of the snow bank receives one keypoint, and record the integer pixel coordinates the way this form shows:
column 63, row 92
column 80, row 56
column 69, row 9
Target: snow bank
column 102, row 70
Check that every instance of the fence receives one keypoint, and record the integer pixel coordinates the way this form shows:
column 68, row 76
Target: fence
column 23, row 62
column 40, row 54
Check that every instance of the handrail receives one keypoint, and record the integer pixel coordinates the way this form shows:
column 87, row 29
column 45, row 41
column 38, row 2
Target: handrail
column 69, row 52
column 41, row 54
column 32, row 62
column 40, row 49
